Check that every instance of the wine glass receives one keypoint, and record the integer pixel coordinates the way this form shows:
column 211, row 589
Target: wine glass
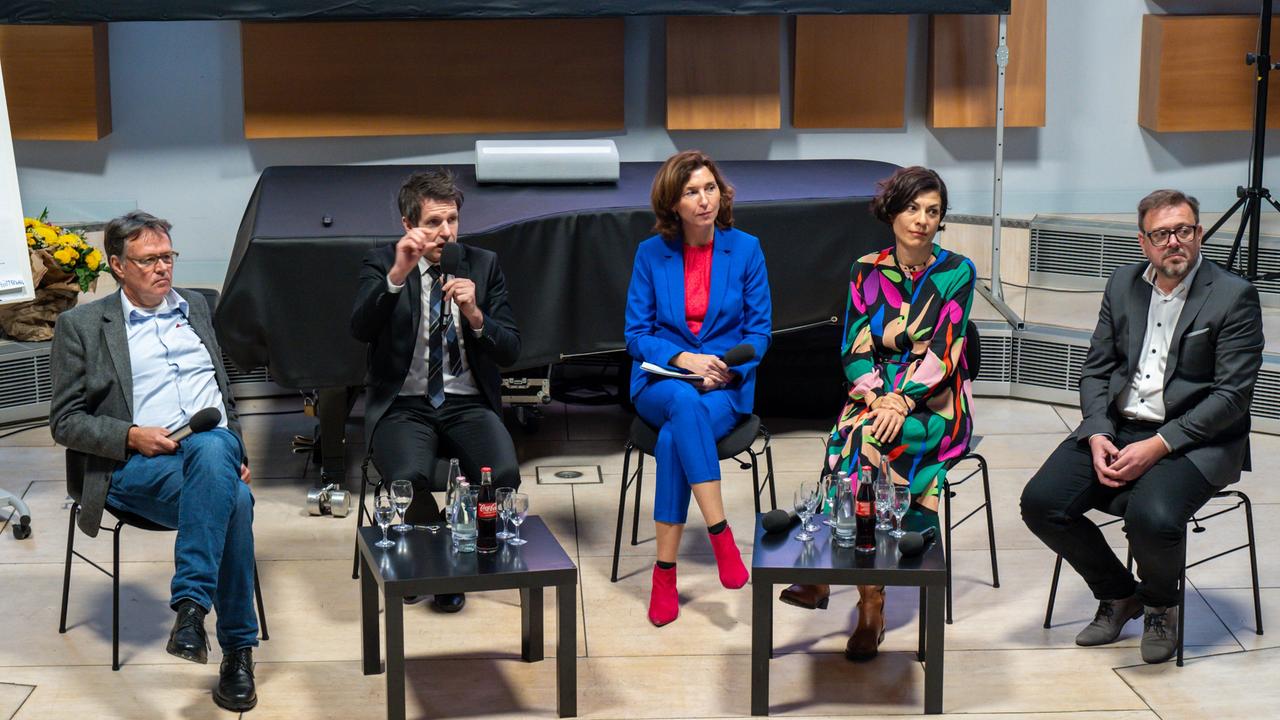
column 804, row 504
column 402, row 495
column 504, row 512
column 517, row 510
column 384, row 511
column 901, row 501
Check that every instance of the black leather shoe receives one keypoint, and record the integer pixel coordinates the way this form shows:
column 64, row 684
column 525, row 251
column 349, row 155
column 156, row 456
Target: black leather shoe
column 187, row 639
column 449, row 602
column 235, row 691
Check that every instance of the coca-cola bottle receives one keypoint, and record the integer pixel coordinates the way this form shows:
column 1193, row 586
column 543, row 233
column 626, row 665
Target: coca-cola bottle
column 487, row 514
column 865, row 533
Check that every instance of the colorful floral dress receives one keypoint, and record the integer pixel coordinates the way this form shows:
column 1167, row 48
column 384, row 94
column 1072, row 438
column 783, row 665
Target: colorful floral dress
column 906, row 335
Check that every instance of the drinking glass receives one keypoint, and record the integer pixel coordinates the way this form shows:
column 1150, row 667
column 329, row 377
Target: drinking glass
column 884, row 502
column 830, row 489
column 402, row 495
column 504, row 512
column 517, row 510
column 901, row 501
column 450, row 493
column 804, row 499
column 384, row 511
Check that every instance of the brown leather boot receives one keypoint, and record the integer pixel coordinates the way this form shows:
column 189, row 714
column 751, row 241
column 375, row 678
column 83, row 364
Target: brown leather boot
column 809, row 597
column 865, row 641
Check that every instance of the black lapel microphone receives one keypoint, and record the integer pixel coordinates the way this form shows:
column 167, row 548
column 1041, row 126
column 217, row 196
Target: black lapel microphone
column 914, row 543
column 739, row 354
column 450, row 258
column 206, row 419
column 776, row 521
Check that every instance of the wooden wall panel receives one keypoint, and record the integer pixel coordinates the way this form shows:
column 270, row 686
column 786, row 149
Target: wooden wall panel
column 57, row 81
column 962, row 68
column 1193, row 74
column 428, row 77
column 723, row 73
column 850, row 71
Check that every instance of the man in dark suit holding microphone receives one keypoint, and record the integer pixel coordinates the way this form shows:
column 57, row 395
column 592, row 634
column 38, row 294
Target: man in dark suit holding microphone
column 1165, row 394
column 435, row 346
column 130, row 372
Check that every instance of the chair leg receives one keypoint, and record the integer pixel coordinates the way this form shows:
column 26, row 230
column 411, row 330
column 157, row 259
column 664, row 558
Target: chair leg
column 635, row 518
column 755, row 478
column 991, row 525
column 262, row 610
column 1182, row 598
column 1253, row 560
column 66, row 570
column 946, row 546
column 622, row 509
column 1053, row 592
column 768, row 465
column 115, row 597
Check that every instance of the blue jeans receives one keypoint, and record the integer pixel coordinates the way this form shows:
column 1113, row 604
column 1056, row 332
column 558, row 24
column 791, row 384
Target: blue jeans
column 198, row 492
column 689, row 423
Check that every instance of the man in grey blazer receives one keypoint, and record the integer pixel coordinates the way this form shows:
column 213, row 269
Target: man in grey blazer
column 1165, row 394
column 128, row 370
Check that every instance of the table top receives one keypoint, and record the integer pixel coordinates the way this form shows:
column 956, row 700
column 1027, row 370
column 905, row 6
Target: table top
column 779, row 557
column 422, row 562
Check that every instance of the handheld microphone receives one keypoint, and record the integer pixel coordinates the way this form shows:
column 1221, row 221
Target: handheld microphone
column 739, row 354
column 776, row 521
column 914, row 543
column 450, row 258
column 206, row 419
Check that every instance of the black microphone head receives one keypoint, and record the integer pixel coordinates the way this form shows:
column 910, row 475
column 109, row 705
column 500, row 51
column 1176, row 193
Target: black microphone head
column 206, row 419
column 775, row 521
column 911, row 544
column 739, row 354
column 450, row 258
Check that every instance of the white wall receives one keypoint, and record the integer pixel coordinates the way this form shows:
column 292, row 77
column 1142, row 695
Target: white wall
column 178, row 150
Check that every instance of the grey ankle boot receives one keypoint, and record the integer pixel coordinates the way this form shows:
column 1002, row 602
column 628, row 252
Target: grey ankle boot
column 1109, row 621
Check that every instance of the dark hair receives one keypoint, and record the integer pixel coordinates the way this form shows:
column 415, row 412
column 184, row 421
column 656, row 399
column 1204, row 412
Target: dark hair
column 669, row 184
column 438, row 185
column 906, row 184
column 1163, row 199
column 127, row 227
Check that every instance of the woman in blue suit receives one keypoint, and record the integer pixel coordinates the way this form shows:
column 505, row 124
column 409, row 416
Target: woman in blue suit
column 698, row 288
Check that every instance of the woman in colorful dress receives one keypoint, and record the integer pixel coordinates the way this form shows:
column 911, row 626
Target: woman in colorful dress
column 903, row 355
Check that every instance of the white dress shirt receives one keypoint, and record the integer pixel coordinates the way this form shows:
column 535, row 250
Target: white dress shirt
column 415, row 383
column 1144, row 398
column 173, row 373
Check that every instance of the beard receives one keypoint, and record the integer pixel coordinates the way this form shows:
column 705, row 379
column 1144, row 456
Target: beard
column 1174, row 267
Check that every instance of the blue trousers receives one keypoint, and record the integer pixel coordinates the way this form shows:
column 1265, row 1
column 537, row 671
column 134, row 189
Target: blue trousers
column 689, row 423
column 198, row 492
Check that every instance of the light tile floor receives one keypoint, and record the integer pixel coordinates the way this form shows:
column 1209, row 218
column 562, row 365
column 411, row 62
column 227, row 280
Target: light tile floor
column 1001, row 662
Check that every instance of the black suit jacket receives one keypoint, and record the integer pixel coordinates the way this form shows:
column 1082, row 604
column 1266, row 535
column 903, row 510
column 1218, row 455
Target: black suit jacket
column 1214, row 357
column 389, row 323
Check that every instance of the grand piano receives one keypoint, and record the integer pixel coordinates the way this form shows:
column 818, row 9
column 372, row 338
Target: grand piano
column 566, row 251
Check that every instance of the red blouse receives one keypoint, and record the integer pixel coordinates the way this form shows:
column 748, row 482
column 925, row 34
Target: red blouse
column 697, row 284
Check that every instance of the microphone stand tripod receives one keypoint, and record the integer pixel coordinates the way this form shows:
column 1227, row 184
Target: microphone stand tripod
column 1250, row 198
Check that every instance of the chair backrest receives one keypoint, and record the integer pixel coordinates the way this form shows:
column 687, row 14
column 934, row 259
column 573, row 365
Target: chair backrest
column 210, row 297
column 972, row 350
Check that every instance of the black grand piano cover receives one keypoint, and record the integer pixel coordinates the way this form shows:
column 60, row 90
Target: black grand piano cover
column 566, row 251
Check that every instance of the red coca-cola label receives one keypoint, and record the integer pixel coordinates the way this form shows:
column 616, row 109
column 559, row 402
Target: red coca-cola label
column 864, row 508
column 487, row 510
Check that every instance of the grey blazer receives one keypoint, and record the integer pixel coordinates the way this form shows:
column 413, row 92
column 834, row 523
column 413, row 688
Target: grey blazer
column 92, row 405
column 1214, row 357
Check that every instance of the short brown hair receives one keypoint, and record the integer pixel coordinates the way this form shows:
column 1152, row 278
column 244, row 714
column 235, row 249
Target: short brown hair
column 906, row 184
column 1163, row 199
column 669, row 183
column 438, row 185
column 127, row 227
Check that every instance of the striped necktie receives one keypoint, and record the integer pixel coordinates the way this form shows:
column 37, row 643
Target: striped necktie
column 442, row 342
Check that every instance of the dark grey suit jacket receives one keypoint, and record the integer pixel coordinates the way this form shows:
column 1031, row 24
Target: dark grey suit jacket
column 92, row 406
column 1214, row 357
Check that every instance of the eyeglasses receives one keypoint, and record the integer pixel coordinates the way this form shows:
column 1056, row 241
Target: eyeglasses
column 149, row 262
column 1160, row 238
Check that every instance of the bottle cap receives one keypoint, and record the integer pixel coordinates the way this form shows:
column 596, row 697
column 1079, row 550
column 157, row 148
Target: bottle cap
column 486, row 469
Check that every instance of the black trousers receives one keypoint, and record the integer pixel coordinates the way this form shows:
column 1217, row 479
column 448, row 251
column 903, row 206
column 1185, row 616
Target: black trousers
column 1160, row 504
column 408, row 436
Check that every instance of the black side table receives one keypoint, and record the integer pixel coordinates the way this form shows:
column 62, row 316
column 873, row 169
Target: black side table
column 779, row 559
column 424, row 563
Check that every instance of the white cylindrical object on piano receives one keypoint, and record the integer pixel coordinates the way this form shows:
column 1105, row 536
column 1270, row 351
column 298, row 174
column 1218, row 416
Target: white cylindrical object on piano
column 546, row 161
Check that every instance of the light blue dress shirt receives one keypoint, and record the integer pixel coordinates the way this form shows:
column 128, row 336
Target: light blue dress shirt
column 173, row 373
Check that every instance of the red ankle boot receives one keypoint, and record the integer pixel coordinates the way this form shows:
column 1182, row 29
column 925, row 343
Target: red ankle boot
column 733, row 574
column 664, row 601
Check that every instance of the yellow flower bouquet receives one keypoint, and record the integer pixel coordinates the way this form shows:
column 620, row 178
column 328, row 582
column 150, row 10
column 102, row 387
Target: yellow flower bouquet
column 62, row 266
